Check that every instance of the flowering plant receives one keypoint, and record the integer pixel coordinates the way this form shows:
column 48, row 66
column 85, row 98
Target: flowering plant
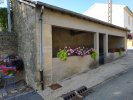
column 12, row 60
column 130, row 36
column 79, row 51
column 8, row 70
column 113, row 50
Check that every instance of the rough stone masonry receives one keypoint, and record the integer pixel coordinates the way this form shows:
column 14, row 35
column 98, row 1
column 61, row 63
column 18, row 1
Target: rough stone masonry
column 8, row 43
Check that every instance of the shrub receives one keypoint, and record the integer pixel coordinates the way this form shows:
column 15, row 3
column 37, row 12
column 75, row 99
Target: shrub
column 62, row 55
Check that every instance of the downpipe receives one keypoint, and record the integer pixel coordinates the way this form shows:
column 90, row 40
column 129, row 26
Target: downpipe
column 41, row 50
column 9, row 15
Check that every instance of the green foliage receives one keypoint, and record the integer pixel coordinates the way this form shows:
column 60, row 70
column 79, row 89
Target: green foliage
column 120, row 53
column 94, row 55
column 3, row 19
column 62, row 55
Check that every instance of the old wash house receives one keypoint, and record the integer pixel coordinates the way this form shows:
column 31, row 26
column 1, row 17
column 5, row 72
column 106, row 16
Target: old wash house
column 43, row 29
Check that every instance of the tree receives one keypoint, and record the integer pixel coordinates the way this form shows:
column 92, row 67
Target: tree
column 3, row 19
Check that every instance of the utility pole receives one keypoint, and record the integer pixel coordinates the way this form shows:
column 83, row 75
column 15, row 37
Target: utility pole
column 9, row 15
column 109, row 11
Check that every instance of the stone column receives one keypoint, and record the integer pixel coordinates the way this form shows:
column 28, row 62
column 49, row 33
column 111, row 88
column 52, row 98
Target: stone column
column 105, row 40
column 47, row 53
column 125, row 42
column 96, row 43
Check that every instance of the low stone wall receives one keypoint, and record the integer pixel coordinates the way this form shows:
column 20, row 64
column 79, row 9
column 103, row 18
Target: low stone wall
column 8, row 43
column 73, row 65
column 114, row 56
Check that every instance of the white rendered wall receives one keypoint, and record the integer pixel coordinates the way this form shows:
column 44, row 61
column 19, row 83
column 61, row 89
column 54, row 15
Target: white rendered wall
column 128, row 25
column 100, row 11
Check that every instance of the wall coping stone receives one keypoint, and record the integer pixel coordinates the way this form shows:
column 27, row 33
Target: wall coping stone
column 7, row 33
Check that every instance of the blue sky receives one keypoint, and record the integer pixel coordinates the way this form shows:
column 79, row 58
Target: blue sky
column 80, row 6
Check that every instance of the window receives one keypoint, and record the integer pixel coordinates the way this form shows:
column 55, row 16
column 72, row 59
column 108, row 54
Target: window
column 129, row 20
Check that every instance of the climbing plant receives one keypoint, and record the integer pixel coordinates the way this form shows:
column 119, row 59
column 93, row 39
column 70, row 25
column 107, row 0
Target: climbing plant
column 3, row 19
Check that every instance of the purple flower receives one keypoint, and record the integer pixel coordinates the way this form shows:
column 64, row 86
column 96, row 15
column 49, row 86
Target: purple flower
column 79, row 51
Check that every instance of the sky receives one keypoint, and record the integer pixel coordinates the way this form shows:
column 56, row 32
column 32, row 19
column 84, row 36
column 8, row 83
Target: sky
column 80, row 6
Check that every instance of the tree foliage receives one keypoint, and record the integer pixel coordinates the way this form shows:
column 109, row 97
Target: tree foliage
column 3, row 19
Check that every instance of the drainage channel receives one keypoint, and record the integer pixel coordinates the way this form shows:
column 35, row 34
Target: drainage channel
column 84, row 91
column 78, row 94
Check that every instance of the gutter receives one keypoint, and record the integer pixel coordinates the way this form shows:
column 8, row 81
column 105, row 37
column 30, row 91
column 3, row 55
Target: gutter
column 41, row 49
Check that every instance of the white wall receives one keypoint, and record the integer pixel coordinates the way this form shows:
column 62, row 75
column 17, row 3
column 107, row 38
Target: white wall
column 126, row 24
column 100, row 11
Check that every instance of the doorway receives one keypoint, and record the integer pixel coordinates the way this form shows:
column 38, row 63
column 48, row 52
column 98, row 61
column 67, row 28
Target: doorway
column 101, row 49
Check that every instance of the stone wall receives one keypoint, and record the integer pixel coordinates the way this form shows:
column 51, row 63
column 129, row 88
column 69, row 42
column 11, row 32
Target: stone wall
column 115, row 42
column 8, row 43
column 62, row 37
column 73, row 65
column 24, row 26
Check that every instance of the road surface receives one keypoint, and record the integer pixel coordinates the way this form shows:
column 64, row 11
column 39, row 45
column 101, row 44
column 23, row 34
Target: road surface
column 119, row 88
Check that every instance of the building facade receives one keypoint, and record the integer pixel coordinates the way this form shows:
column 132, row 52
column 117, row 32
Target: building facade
column 60, row 28
column 121, row 16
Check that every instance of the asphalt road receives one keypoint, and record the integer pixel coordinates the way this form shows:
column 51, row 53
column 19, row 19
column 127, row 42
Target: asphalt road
column 120, row 88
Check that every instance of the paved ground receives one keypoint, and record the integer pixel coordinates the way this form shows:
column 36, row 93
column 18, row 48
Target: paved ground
column 117, row 89
column 120, row 88
column 89, row 78
column 22, row 92
column 28, row 96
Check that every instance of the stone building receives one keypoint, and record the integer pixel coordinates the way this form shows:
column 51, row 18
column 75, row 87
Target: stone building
column 59, row 27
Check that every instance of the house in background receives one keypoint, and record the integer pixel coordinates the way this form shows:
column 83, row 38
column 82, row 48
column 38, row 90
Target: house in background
column 60, row 28
column 121, row 16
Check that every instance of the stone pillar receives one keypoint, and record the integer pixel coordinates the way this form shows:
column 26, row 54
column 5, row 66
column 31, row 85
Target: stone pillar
column 47, row 53
column 105, row 40
column 125, row 43
column 96, row 43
